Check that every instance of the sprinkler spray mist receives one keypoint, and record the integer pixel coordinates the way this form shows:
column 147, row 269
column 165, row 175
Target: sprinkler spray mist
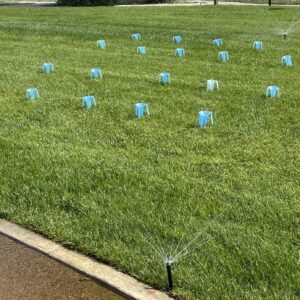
column 292, row 27
column 176, row 252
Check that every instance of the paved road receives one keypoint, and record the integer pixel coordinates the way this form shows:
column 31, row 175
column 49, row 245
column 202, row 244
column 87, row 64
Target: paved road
column 26, row 3
column 26, row 274
column 205, row 2
column 187, row 3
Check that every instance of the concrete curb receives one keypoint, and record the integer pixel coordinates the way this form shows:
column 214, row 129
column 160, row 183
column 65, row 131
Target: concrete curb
column 118, row 281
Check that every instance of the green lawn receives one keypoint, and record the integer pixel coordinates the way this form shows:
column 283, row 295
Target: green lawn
column 102, row 181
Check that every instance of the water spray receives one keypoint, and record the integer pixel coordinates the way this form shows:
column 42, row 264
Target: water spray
column 176, row 252
column 292, row 27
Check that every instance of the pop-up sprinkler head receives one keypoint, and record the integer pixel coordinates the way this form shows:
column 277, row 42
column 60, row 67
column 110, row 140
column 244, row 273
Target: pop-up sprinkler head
column 169, row 272
column 284, row 36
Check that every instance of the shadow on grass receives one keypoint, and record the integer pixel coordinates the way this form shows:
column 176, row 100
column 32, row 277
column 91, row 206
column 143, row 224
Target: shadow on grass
column 278, row 8
column 4, row 215
column 192, row 126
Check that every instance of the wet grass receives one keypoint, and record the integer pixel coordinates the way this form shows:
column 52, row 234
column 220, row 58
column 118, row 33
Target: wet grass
column 103, row 182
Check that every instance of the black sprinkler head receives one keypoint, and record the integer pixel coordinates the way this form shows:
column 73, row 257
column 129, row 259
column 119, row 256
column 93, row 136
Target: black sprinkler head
column 169, row 272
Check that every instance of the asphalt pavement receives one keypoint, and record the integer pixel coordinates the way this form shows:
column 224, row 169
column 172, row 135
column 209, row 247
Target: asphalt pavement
column 26, row 274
